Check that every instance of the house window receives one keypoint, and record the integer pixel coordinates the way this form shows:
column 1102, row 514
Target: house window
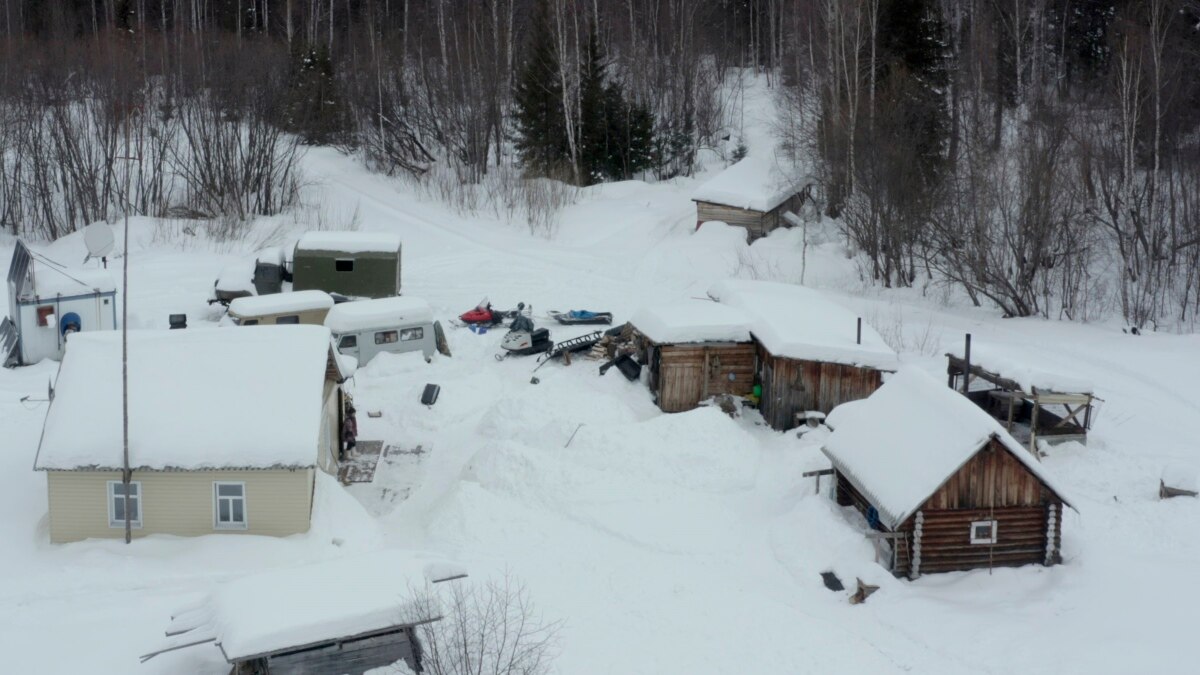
column 983, row 532
column 409, row 334
column 230, row 500
column 249, row 322
column 343, row 265
column 45, row 315
column 118, row 502
column 348, row 342
column 290, row 319
column 387, row 337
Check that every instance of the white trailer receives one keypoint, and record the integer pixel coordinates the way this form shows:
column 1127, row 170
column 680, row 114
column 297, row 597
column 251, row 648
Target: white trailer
column 365, row 328
column 47, row 303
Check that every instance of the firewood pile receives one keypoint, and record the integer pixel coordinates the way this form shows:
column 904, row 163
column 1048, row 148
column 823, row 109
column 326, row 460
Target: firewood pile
column 616, row 343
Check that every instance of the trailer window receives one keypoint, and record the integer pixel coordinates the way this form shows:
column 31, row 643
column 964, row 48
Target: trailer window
column 291, row 318
column 248, row 322
column 348, row 342
column 343, row 264
column 412, row 334
column 387, row 337
column 983, row 532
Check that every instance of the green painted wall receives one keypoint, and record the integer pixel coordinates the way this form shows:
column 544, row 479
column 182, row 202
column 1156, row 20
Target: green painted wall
column 375, row 275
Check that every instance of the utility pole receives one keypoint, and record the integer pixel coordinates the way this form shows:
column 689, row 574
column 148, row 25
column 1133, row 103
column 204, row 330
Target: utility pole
column 127, row 473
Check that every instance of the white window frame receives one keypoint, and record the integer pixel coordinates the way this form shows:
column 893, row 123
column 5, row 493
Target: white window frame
column 110, row 497
column 984, row 540
column 217, row 524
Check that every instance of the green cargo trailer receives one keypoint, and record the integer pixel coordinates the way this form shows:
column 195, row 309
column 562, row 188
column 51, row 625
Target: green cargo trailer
column 354, row 264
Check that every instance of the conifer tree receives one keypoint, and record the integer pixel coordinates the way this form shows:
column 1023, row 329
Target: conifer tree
column 616, row 135
column 313, row 107
column 541, row 125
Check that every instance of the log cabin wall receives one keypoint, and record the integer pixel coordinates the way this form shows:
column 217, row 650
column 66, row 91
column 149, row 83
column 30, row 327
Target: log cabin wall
column 757, row 223
column 1021, row 539
column 683, row 375
column 791, row 386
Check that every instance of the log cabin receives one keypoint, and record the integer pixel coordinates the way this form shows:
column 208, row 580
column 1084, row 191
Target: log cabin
column 941, row 483
column 811, row 353
column 753, row 193
column 694, row 349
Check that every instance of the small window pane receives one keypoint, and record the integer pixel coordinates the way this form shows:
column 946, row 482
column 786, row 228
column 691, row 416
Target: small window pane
column 238, row 515
column 343, row 265
column 249, row 322
column 290, row 319
column 133, row 509
column 386, row 337
column 412, row 334
column 118, row 509
column 348, row 342
column 229, row 490
column 223, row 510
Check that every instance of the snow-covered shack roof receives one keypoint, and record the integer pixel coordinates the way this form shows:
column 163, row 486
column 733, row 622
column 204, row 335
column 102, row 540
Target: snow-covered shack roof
column 1023, row 368
column 756, row 183
column 367, row 314
column 692, row 320
column 905, row 440
column 350, row 242
column 268, row 612
column 801, row 323
column 50, row 281
column 203, row 398
column 280, row 303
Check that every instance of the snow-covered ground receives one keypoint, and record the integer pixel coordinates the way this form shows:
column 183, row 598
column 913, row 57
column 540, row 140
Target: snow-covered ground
column 684, row 543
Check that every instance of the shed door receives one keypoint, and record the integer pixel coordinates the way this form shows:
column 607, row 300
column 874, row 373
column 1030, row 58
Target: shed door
column 682, row 385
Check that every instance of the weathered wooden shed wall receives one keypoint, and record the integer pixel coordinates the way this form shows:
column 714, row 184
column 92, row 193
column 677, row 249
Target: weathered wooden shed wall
column 353, row 656
column 683, row 375
column 757, row 223
column 790, row 386
column 993, row 485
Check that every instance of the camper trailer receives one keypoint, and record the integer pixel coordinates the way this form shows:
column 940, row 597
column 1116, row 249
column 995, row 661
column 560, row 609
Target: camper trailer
column 353, row 264
column 365, row 328
column 47, row 303
column 307, row 307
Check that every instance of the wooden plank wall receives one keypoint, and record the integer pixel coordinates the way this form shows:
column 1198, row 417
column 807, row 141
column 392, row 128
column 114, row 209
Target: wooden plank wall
column 992, row 478
column 688, row 374
column 354, row 656
column 791, row 386
column 757, row 223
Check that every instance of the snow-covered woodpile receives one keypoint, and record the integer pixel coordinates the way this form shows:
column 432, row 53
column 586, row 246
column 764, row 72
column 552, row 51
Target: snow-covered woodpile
column 944, row 485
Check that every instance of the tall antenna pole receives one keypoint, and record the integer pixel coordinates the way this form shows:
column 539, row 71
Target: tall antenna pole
column 127, row 474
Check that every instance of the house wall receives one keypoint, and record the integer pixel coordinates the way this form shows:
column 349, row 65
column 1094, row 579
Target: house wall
column 375, row 275
column 278, row 503
column 688, row 374
column 791, row 386
column 351, row 656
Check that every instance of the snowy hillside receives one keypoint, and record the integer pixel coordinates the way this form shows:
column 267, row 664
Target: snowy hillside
column 685, row 543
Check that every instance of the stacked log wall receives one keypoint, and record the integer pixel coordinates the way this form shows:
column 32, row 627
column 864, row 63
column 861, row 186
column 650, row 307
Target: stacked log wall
column 791, row 386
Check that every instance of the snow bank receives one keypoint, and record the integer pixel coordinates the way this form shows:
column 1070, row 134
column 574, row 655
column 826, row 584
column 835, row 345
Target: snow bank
column 908, row 437
column 692, row 320
column 203, row 398
column 757, row 183
column 237, row 277
column 50, row 281
column 1023, row 368
column 279, row 303
column 796, row 322
column 366, row 314
column 266, row 612
column 350, row 242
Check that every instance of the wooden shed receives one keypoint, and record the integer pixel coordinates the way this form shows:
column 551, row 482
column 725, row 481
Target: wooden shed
column 941, row 483
column 811, row 353
column 348, row 615
column 695, row 349
column 1032, row 403
column 753, row 193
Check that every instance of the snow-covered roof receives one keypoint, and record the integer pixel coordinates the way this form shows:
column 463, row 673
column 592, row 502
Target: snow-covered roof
column 267, row 612
column 50, row 281
column 692, row 320
column 796, row 322
column 200, row 398
column 906, row 439
column 1023, row 368
column 367, row 314
column 757, row 183
column 237, row 276
column 350, row 242
column 279, row 303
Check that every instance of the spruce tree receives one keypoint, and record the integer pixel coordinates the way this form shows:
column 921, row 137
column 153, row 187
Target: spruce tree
column 616, row 135
column 541, row 138
column 313, row 107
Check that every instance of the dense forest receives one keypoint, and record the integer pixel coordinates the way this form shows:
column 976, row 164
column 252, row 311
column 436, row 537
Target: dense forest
column 1041, row 155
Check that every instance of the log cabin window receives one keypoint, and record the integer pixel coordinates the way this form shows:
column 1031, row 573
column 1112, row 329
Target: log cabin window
column 117, row 503
column 983, row 532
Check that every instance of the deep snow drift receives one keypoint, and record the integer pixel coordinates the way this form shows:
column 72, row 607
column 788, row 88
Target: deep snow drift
column 684, row 543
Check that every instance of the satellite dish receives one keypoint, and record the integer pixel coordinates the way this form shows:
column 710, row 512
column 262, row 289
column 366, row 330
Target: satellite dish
column 98, row 237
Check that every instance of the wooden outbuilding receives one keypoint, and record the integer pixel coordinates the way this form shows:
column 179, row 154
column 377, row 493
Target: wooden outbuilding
column 941, row 483
column 695, row 349
column 348, row 615
column 811, row 353
column 753, row 193
column 1033, row 404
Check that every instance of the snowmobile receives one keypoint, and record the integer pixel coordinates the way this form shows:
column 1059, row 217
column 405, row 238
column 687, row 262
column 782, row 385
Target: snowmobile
column 484, row 315
column 579, row 317
column 523, row 339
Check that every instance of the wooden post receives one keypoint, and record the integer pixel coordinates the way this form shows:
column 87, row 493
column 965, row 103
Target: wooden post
column 858, row 338
column 967, row 365
column 916, row 552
